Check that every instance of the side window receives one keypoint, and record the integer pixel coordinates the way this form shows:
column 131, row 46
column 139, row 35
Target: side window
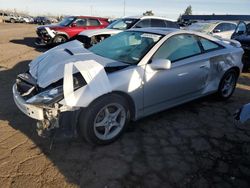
column 5, row 14
column 171, row 24
column 232, row 26
column 241, row 28
column 93, row 22
column 219, row 28
column 143, row 23
column 178, row 47
column 209, row 45
column 157, row 23
column 81, row 22
column 224, row 27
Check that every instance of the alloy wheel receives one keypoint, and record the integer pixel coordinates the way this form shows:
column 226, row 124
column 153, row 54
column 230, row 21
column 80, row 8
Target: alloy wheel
column 109, row 121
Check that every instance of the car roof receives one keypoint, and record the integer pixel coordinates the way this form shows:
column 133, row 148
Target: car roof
column 167, row 31
column 149, row 17
column 214, row 22
column 91, row 17
column 156, row 30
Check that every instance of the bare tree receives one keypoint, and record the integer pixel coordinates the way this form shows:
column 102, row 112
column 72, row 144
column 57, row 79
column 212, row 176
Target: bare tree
column 188, row 10
column 148, row 13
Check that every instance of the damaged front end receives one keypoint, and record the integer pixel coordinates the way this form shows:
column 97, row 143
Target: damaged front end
column 43, row 104
column 45, row 36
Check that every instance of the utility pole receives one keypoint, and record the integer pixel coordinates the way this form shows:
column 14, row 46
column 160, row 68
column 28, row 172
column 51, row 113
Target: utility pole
column 91, row 10
column 124, row 7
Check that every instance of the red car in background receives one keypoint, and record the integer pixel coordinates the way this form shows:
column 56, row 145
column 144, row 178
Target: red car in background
column 68, row 28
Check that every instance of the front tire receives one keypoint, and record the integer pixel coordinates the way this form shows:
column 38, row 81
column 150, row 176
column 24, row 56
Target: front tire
column 104, row 120
column 59, row 39
column 227, row 85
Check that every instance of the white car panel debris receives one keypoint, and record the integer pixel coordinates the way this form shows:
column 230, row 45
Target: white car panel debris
column 50, row 32
column 96, row 78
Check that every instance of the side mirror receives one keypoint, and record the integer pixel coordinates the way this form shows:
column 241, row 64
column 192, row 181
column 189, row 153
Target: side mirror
column 216, row 31
column 73, row 25
column 161, row 64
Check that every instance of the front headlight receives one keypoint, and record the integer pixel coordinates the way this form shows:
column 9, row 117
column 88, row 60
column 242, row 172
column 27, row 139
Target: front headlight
column 47, row 97
column 56, row 94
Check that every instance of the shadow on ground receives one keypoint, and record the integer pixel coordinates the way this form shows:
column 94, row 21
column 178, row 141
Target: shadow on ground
column 30, row 41
column 193, row 145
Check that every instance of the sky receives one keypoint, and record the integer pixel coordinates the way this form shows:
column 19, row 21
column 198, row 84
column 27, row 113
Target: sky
column 115, row 8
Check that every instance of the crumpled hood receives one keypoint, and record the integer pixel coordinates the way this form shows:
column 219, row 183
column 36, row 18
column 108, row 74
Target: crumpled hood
column 51, row 26
column 93, row 32
column 49, row 67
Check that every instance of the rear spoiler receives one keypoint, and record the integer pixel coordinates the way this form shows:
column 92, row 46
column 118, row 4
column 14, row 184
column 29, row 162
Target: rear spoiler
column 232, row 42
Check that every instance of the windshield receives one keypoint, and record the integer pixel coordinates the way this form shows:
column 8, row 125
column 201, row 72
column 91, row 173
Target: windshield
column 128, row 47
column 123, row 24
column 66, row 21
column 201, row 27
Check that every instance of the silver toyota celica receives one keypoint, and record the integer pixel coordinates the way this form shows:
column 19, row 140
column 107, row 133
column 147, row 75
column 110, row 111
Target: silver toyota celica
column 126, row 77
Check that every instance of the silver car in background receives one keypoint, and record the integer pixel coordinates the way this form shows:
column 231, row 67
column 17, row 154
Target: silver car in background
column 222, row 29
column 126, row 77
column 92, row 37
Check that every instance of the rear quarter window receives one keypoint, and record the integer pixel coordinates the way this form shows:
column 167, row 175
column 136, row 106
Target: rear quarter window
column 157, row 23
column 143, row 23
column 209, row 45
column 93, row 22
column 172, row 24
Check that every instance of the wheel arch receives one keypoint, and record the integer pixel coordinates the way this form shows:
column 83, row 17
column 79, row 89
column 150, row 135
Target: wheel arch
column 62, row 34
column 127, row 97
column 236, row 69
column 130, row 102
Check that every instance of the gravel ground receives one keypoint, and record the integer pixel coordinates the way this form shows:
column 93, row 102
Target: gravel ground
column 194, row 145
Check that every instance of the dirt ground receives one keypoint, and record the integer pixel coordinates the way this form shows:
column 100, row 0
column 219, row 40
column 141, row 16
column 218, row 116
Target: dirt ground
column 194, row 145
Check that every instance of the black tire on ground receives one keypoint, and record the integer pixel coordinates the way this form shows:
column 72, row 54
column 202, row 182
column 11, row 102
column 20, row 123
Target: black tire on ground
column 222, row 94
column 96, row 114
column 59, row 39
column 12, row 20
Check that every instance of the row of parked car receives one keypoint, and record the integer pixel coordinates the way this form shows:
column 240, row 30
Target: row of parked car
column 121, row 72
column 91, row 30
column 14, row 18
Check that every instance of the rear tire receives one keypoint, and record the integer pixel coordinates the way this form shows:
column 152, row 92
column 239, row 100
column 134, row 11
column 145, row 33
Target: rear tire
column 104, row 120
column 227, row 85
column 12, row 20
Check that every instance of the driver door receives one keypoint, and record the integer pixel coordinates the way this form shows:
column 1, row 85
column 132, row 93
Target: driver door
column 183, row 81
column 78, row 26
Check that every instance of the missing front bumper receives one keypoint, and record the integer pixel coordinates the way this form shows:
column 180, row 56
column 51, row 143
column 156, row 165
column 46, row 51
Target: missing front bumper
column 30, row 110
column 47, row 118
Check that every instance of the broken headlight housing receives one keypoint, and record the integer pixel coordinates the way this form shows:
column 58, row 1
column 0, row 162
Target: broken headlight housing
column 55, row 94
column 47, row 97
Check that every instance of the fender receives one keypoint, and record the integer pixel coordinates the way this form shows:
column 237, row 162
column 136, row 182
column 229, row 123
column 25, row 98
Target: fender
column 95, row 77
column 62, row 33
